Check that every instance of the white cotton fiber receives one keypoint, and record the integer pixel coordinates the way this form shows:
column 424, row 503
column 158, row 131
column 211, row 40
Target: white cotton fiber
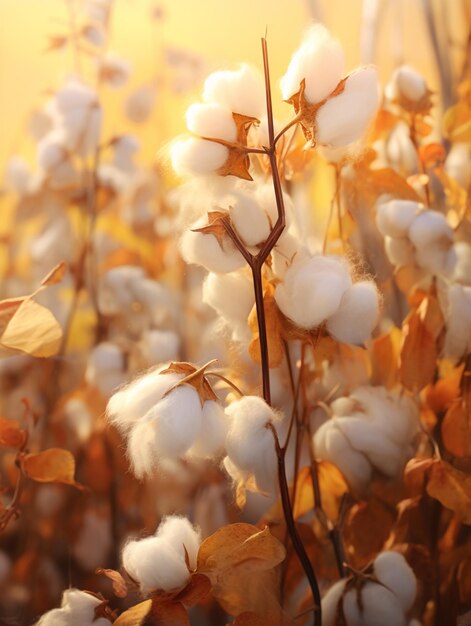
column 181, row 535
column 211, row 120
column 429, row 227
column 250, row 445
column 204, row 249
column 395, row 217
column 437, row 257
column 159, row 346
column 357, row 315
column 399, row 251
column 345, row 118
column 330, row 603
column 319, row 61
column 230, row 295
column 378, row 606
column 177, row 421
column 132, row 402
column 51, row 151
column 249, row 219
column 141, row 447
column 77, row 609
column 241, row 91
column 155, row 564
column 312, row 289
column 393, row 571
column 462, row 268
column 158, row 562
column 197, row 157
column 287, row 249
column 407, row 83
column 455, row 302
column 213, row 429
column 458, row 164
column 266, row 198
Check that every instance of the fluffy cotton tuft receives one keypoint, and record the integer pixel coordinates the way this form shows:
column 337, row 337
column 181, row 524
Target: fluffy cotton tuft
column 158, row 562
column 106, row 367
column 345, row 118
column 385, row 603
column 204, row 249
column 312, row 289
column 211, row 120
column 241, row 91
column 357, row 314
column 372, row 429
column 249, row 444
column 197, row 157
column 406, row 83
column 395, row 217
column 455, row 302
column 319, row 61
column 77, row 609
column 231, row 296
column 249, row 219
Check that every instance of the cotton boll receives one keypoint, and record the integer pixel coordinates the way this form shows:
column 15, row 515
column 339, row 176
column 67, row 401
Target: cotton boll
column 428, row 228
column 231, row 296
column 319, row 62
column 395, row 217
column 77, row 609
column 18, row 175
column 393, row 571
column 213, row 430
column 266, row 197
column 406, row 83
column 250, row 220
column 455, row 302
column 378, row 606
column 131, row 403
column 458, row 164
column 114, row 71
column 182, row 536
column 141, row 446
column 177, row 422
column 437, row 257
column 312, row 289
column 204, row 249
column 330, row 603
column 288, row 248
column 51, row 151
column 357, row 314
column 197, row 157
column 462, row 267
column 345, row 118
column 155, row 564
column 211, row 120
column 399, row 251
column 249, row 444
column 140, row 103
column 241, row 91
column 105, row 367
column 124, row 150
column 78, row 418
column 159, row 346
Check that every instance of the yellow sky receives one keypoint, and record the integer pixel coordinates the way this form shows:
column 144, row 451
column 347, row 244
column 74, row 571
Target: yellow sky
column 224, row 31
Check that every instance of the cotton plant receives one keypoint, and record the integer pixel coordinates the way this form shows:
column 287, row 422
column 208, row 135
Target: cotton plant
column 370, row 430
column 77, row 608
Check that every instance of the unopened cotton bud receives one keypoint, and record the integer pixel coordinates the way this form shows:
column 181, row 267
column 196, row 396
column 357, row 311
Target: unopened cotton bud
column 194, row 156
column 159, row 562
column 406, row 83
column 395, row 217
column 204, row 249
column 77, row 609
column 429, row 227
column 345, row 118
column 393, row 571
column 319, row 61
column 250, row 444
column 211, row 120
column 357, row 315
column 312, row 289
column 241, row 91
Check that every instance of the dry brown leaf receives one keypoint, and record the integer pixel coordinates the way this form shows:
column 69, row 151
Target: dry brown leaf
column 11, row 435
column 452, row 488
column 136, row 615
column 332, row 486
column 120, row 589
column 385, row 357
column 418, row 354
column 51, row 466
column 416, row 475
column 456, row 430
column 55, row 275
column 167, row 613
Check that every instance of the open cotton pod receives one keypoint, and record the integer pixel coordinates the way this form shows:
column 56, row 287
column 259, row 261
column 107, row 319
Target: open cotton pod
column 161, row 561
column 77, row 609
column 241, row 91
column 370, row 603
column 197, row 157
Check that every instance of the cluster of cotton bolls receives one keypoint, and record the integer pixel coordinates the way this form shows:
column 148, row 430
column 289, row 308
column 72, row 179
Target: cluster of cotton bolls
column 77, row 609
column 341, row 109
column 385, row 599
column 213, row 124
column 163, row 561
column 418, row 237
column 318, row 289
column 372, row 429
column 163, row 421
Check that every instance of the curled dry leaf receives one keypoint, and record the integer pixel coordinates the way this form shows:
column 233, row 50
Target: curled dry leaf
column 332, row 486
column 120, row 589
column 452, row 488
column 51, row 466
column 136, row 615
column 11, row 435
column 418, row 354
column 456, row 430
